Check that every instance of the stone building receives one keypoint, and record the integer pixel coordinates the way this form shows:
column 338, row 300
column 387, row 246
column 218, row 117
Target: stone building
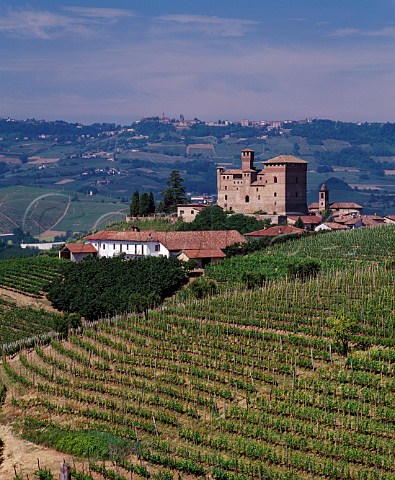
column 279, row 188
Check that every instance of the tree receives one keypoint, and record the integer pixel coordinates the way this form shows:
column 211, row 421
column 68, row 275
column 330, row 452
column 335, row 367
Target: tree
column 299, row 223
column 134, row 206
column 174, row 194
column 342, row 328
column 151, row 203
column 144, row 205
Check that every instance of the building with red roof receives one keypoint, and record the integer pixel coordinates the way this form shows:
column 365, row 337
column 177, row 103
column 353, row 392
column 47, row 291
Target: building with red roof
column 203, row 246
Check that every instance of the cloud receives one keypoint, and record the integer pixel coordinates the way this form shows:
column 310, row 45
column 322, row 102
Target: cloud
column 45, row 25
column 101, row 13
column 213, row 26
column 352, row 32
column 38, row 24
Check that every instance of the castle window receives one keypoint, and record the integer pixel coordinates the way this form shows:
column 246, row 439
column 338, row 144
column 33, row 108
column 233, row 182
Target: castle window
column 226, row 187
column 247, row 199
column 182, row 212
column 226, row 197
column 296, row 180
column 259, row 197
column 275, row 194
column 275, row 179
column 192, row 212
column 296, row 194
column 257, row 189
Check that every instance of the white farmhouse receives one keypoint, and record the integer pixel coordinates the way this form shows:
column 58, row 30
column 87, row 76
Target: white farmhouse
column 202, row 246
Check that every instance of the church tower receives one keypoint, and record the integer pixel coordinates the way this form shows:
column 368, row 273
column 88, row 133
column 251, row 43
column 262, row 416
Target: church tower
column 323, row 199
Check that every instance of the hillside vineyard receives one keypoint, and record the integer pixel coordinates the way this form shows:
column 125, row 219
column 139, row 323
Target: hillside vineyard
column 246, row 384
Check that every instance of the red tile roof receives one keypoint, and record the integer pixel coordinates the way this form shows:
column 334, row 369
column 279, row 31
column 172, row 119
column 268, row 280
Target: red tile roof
column 174, row 241
column 128, row 235
column 275, row 231
column 335, row 226
column 214, row 253
column 307, row 219
column 80, row 248
column 285, row 159
column 343, row 205
column 203, row 240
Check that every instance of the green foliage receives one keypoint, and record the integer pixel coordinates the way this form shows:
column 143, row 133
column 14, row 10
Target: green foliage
column 106, row 286
column 342, row 329
column 253, row 279
column 174, row 194
column 135, row 204
column 29, row 275
column 303, row 268
column 82, row 443
column 43, row 474
column 21, row 325
column 299, row 223
column 203, row 287
column 144, row 205
column 214, row 218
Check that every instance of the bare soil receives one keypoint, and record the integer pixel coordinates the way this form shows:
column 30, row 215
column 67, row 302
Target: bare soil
column 26, row 301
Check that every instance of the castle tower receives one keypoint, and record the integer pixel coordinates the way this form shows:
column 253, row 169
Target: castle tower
column 285, row 191
column 247, row 159
column 323, row 198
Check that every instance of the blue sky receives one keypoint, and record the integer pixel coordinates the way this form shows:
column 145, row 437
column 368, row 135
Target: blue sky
column 117, row 61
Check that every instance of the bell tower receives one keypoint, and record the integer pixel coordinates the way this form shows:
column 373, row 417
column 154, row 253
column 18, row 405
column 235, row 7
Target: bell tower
column 323, row 199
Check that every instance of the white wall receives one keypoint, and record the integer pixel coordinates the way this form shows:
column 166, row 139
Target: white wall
column 109, row 248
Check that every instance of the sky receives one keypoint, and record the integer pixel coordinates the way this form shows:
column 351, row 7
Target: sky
column 120, row 60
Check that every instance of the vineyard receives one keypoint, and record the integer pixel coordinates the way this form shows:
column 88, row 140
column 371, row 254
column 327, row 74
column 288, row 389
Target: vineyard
column 29, row 276
column 336, row 250
column 250, row 383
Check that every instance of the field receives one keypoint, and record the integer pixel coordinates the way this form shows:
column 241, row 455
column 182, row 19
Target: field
column 248, row 383
column 37, row 210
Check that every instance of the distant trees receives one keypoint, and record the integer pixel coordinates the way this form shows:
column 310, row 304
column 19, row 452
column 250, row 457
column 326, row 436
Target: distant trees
column 142, row 205
column 214, row 218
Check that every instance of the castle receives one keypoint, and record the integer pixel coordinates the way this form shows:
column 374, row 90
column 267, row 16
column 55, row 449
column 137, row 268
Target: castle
column 280, row 188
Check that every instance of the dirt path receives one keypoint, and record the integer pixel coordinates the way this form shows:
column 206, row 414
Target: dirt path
column 21, row 455
column 26, row 301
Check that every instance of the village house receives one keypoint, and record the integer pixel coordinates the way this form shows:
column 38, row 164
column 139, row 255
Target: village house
column 338, row 208
column 188, row 211
column 202, row 246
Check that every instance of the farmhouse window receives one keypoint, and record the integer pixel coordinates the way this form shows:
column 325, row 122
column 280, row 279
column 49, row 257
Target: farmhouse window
column 156, row 248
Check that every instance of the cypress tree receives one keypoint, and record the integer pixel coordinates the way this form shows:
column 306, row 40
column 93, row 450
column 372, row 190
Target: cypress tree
column 144, row 205
column 151, row 203
column 134, row 206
